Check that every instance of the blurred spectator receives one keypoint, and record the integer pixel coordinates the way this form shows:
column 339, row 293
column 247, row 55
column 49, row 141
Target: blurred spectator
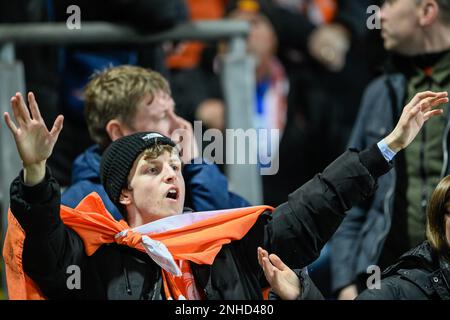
column 393, row 221
column 323, row 45
column 271, row 81
column 194, row 72
column 270, row 75
column 192, row 77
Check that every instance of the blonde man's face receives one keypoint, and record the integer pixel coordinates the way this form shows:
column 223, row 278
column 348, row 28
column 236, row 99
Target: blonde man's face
column 154, row 115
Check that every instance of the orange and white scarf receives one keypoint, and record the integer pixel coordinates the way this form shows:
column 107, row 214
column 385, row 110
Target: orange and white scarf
column 171, row 242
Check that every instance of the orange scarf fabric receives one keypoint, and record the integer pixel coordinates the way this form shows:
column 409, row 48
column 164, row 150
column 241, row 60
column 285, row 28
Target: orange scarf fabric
column 197, row 242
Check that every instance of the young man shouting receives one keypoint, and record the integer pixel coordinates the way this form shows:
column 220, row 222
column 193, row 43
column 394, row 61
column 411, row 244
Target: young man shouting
column 157, row 252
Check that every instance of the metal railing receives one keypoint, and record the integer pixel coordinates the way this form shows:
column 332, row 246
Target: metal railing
column 110, row 33
column 237, row 80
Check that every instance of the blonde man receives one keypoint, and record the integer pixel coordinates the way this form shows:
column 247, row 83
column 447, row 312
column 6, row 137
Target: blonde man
column 127, row 99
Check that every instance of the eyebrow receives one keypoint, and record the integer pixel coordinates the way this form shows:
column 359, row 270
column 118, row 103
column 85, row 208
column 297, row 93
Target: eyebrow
column 149, row 160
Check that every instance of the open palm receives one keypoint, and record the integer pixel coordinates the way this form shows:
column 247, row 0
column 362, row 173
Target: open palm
column 413, row 117
column 283, row 280
column 33, row 140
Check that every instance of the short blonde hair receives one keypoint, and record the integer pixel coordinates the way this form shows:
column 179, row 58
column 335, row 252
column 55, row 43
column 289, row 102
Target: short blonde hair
column 154, row 152
column 114, row 94
column 436, row 211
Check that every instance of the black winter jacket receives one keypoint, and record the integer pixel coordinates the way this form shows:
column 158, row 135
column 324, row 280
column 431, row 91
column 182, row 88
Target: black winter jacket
column 296, row 232
column 420, row 274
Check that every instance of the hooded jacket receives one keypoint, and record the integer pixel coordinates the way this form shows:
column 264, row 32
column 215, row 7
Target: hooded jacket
column 206, row 186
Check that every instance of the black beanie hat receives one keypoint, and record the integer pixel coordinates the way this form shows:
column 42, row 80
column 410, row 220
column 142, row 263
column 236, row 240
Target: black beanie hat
column 119, row 157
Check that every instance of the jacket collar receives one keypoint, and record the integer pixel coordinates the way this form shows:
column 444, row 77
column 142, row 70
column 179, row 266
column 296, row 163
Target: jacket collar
column 422, row 266
column 87, row 165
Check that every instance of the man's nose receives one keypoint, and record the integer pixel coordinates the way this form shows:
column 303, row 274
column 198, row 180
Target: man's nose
column 169, row 174
column 381, row 14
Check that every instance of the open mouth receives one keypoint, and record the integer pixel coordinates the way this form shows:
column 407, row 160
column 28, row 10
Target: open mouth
column 172, row 194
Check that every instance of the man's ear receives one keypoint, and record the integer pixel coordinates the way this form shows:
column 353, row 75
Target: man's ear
column 429, row 12
column 125, row 197
column 115, row 129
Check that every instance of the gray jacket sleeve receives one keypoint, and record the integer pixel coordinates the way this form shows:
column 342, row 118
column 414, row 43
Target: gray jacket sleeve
column 309, row 289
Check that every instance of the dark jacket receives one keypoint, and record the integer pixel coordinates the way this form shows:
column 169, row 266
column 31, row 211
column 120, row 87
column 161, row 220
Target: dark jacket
column 420, row 274
column 360, row 239
column 206, row 186
column 296, row 232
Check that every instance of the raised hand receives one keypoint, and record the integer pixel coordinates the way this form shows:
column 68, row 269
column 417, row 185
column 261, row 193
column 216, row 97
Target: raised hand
column 183, row 136
column 33, row 140
column 283, row 281
column 414, row 115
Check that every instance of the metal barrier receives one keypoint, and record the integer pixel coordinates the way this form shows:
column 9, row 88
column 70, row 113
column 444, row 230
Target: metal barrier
column 237, row 79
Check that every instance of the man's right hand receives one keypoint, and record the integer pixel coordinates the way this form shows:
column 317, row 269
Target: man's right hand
column 33, row 140
column 184, row 137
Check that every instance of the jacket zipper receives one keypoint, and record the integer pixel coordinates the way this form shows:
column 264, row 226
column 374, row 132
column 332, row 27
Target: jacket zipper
column 423, row 173
column 387, row 199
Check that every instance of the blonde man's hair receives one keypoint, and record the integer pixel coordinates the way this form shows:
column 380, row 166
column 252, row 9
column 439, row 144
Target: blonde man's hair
column 114, row 94
column 436, row 211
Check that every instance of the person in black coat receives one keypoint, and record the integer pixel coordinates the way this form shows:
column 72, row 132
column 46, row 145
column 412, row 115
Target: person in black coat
column 423, row 273
column 296, row 231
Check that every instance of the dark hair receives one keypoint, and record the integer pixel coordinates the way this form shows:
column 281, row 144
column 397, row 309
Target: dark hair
column 436, row 211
